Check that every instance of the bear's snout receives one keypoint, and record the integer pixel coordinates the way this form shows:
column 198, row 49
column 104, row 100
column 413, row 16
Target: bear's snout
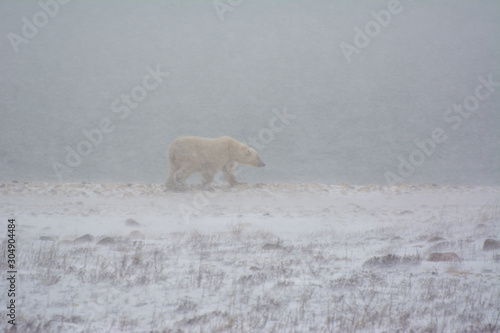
column 261, row 164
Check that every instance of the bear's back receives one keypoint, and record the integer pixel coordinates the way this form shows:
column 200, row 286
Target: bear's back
column 203, row 140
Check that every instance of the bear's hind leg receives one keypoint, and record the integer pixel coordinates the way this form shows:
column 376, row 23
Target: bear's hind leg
column 181, row 175
column 208, row 177
column 170, row 182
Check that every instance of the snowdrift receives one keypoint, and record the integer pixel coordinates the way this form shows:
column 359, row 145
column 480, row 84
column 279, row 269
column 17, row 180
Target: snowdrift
column 259, row 257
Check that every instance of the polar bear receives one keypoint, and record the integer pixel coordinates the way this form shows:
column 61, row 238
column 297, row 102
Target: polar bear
column 190, row 154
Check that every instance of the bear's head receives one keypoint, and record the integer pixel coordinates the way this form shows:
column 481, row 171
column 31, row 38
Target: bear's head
column 249, row 156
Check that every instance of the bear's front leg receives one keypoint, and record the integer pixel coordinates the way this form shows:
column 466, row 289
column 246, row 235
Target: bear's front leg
column 228, row 172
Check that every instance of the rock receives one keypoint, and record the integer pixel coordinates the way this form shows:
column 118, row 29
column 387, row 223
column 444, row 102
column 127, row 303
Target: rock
column 272, row 247
column 46, row 238
column 443, row 256
column 132, row 223
column 346, row 185
column 136, row 234
column 440, row 246
column 84, row 239
column 106, row 241
column 491, row 244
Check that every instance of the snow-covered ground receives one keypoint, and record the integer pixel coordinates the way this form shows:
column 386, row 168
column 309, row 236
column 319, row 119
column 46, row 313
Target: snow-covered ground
column 264, row 257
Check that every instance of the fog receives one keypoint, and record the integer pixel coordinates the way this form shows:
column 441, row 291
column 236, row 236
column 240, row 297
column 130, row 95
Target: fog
column 326, row 91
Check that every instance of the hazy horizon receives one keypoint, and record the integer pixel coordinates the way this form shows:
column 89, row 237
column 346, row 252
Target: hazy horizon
column 325, row 91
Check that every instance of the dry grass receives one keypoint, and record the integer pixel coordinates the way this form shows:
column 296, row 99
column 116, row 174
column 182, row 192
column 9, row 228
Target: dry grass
column 245, row 280
column 229, row 282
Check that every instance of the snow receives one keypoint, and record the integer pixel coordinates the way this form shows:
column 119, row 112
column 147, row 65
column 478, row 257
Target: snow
column 258, row 257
